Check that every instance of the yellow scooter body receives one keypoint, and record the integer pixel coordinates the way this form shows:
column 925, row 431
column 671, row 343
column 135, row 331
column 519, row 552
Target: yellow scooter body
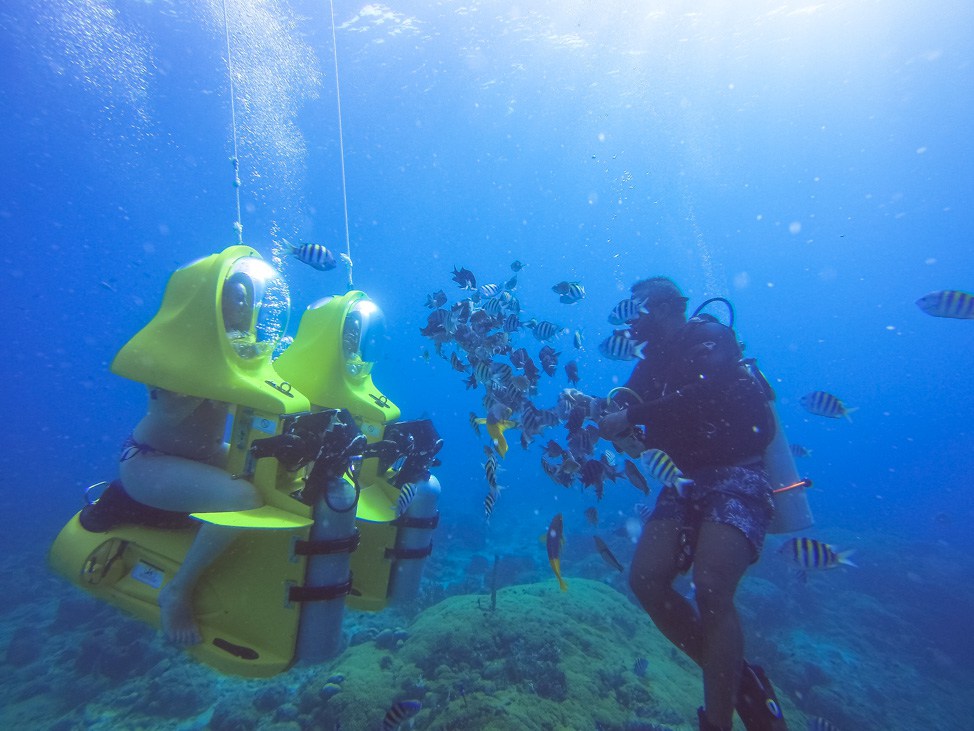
column 330, row 372
column 241, row 602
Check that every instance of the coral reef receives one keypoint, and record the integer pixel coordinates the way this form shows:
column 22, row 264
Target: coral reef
column 847, row 646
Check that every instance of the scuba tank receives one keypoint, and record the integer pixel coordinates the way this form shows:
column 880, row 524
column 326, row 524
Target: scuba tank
column 330, row 442
column 791, row 509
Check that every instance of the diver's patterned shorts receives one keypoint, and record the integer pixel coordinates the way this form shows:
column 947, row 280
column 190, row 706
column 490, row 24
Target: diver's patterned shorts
column 738, row 496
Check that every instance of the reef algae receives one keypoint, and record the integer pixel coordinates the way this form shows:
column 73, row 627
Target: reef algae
column 542, row 659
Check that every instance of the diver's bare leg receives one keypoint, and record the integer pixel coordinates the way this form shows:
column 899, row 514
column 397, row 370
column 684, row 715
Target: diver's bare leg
column 651, row 579
column 723, row 555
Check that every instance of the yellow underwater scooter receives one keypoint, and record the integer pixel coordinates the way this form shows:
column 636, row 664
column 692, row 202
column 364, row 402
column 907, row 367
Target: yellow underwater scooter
column 338, row 341
column 278, row 595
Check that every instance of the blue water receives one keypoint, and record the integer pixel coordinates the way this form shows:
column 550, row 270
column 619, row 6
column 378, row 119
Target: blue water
column 813, row 163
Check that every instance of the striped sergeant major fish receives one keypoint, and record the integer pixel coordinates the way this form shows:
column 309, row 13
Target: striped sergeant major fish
column 315, row 256
column 491, row 468
column 822, row 403
column 811, row 554
column 661, row 468
column 797, row 450
column 571, row 292
column 627, row 311
column 489, row 501
column 406, row 494
column 948, row 303
column 544, row 330
column 493, row 307
column 621, row 347
column 399, row 712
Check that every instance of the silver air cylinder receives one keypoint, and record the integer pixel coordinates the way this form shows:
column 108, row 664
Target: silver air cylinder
column 791, row 510
column 320, row 630
column 407, row 572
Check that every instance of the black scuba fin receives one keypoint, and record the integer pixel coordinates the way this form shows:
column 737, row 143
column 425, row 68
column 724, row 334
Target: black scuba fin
column 757, row 703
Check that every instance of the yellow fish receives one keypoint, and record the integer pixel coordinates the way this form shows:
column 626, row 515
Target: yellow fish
column 496, row 430
column 555, row 539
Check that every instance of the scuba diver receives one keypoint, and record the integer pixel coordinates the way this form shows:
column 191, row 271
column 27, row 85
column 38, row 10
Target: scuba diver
column 698, row 404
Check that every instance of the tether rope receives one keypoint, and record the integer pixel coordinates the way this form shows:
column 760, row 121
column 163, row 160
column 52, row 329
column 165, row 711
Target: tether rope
column 238, row 225
column 341, row 146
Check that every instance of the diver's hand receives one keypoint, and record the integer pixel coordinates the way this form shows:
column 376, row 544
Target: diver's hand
column 570, row 399
column 571, row 394
column 615, row 425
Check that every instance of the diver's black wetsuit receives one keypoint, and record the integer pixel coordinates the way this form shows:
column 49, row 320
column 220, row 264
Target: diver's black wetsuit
column 700, row 405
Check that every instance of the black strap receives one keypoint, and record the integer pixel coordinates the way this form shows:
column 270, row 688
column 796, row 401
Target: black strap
column 400, row 553
column 406, row 521
column 325, row 548
column 320, row 593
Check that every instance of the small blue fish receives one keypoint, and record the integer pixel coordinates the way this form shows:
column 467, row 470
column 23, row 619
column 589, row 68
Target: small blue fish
column 464, row 278
column 640, row 667
column 606, row 553
column 549, row 359
column 399, row 712
column 635, row 477
column 948, row 303
column 315, row 256
column 571, row 370
column 437, row 299
column 822, row 403
column 662, row 469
